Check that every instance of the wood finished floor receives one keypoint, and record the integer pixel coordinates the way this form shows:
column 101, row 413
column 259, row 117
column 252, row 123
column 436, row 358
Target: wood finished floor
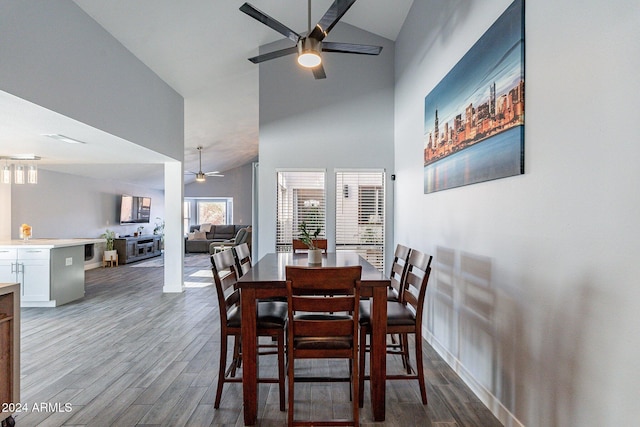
column 129, row 355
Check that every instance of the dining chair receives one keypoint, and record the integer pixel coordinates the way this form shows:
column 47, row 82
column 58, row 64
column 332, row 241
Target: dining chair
column 242, row 257
column 314, row 333
column 271, row 322
column 404, row 317
column 298, row 246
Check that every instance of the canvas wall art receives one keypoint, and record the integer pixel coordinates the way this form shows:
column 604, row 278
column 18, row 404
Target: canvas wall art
column 474, row 117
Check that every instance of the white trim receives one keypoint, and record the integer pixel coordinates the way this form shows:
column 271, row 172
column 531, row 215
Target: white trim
column 300, row 170
column 363, row 170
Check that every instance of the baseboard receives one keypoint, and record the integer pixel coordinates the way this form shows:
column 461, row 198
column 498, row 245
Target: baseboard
column 486, row 397
column 91, row 266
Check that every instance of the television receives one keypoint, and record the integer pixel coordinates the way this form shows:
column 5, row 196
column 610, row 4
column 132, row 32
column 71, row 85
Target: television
column 135, row 209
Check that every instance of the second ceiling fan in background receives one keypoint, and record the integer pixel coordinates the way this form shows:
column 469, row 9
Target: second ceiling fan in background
column 202, row 176
column 309, row 47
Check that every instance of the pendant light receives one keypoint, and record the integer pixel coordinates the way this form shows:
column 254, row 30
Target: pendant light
column 5, row 176
column 18, row 176
column 21, row 173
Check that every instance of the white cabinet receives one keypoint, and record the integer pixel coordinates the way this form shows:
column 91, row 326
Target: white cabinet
column 31, row 268
column 33, row 274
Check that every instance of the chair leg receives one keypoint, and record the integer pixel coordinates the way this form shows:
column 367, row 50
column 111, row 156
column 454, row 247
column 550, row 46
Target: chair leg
column 290, row 388
column 221, row 371
column 362, row 350
column 355, row 386
column 281, row 372
column 235, row 364
column 420, row 367
column 406, row 360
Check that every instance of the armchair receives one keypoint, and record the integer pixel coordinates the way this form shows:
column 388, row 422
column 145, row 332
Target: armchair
column 242, row 236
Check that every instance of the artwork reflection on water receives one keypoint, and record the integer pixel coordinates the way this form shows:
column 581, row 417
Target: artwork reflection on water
column 497, row 157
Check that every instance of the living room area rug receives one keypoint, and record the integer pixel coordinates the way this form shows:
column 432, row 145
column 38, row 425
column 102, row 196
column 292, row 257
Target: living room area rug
column 190, row 260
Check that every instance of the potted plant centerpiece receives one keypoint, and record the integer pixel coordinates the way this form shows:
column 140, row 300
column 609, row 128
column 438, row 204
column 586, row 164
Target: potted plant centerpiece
column 109, row 252
column 309, row 238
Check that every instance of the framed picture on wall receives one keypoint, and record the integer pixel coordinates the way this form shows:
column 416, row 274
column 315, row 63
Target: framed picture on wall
column 474, row 117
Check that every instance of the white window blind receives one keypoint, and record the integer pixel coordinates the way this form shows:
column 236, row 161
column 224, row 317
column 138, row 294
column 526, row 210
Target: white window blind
column 360, row 201
column 300, row 197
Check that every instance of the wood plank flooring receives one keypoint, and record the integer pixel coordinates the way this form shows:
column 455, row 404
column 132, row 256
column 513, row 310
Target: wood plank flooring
column 129, row 355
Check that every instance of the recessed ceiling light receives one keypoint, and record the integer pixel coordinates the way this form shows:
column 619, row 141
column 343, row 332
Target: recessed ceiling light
column 64, row 138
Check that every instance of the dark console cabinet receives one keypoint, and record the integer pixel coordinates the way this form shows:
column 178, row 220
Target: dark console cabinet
column 9, row 351
column 132, row 249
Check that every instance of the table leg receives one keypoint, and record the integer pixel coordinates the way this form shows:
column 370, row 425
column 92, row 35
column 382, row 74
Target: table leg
column 379, row 352
column 249, row 357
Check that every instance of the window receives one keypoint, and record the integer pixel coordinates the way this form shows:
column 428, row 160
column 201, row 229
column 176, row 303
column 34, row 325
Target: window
column 360, row 214
column 207, row 210
column 186, row 220
column 300, row 197
column 370, row 204
column 212, row 212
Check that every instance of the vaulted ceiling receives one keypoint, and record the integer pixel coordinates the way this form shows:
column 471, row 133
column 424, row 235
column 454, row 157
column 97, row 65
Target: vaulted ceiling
column 200, row 48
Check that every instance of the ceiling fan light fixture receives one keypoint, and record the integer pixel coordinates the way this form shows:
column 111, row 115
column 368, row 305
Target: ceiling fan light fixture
column 201, row 177
column 309, row 52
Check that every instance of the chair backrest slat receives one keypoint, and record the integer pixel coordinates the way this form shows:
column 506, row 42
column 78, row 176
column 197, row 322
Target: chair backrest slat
column 310, row 304
column 399, row 268
column 332, row 328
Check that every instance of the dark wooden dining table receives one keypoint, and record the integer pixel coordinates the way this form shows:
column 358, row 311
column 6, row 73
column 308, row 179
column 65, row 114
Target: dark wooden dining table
column 266, row 279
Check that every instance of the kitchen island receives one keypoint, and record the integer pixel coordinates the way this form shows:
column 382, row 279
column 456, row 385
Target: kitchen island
column 50, row 271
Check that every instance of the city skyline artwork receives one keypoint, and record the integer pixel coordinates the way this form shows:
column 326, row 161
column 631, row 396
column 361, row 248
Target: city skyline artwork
column 474, row 117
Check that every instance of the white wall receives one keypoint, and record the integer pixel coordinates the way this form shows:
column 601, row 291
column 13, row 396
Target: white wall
column 69, row 206
column 236, row 183
column 343, row 121
column 535, row 294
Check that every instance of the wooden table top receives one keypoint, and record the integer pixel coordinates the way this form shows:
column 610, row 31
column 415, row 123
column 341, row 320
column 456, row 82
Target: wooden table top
column 270, row 269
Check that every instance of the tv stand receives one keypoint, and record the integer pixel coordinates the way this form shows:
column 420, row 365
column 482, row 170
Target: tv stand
column 132, row 249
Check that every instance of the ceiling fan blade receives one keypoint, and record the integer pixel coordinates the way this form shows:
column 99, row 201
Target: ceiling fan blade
column 216, row 173
column 360, row 49
column 318, row 72
column 270, row 22
column 330, row 18
column 273, row 55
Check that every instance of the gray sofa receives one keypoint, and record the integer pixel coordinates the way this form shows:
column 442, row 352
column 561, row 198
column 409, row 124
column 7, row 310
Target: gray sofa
column 218, row 233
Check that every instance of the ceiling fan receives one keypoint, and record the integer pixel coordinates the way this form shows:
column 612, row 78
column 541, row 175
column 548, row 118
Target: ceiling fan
column 310, row 46
column 202, row 176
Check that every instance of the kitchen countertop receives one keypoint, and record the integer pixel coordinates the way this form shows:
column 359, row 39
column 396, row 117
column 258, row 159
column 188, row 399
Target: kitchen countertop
column 46, row 243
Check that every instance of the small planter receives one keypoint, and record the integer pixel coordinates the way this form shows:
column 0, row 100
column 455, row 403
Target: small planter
column 315, row 256
column 110, row 255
